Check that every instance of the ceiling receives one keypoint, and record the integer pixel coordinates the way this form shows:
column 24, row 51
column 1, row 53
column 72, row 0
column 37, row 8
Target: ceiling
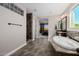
column 46, row 9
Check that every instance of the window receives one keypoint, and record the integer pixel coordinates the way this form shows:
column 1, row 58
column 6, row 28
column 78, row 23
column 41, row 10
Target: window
column 74, row 17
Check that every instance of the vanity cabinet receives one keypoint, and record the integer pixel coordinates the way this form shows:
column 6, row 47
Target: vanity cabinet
column 61, row 27
column 61, row 33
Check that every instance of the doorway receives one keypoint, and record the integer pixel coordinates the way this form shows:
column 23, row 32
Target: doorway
column 43, row 22
column 29, row 26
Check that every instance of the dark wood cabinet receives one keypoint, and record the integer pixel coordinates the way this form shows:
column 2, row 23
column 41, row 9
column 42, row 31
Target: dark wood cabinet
column 29, row 26
column 61, row 33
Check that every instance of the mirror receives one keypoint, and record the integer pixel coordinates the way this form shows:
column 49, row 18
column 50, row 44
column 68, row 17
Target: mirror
column 64, row 23
column 59, row 25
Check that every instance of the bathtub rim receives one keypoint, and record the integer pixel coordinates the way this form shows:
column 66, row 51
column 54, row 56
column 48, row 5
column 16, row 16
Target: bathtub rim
column 62, row 50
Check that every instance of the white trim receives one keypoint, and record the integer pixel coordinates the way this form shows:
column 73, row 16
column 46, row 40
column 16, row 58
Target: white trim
column 13, row 51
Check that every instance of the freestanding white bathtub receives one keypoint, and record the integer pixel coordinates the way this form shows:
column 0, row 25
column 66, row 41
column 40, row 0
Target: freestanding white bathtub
column 66, row 42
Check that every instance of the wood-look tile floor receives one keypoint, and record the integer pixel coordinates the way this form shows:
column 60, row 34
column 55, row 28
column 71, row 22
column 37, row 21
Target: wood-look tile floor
column 38, row 47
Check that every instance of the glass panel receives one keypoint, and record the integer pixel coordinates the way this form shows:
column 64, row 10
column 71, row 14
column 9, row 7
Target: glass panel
column 64, row 23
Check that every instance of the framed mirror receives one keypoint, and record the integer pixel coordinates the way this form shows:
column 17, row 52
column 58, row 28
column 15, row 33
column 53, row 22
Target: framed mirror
column 64, row 23
column 59, row 25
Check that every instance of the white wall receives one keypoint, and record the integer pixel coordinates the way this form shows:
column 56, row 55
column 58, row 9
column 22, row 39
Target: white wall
column 11, row 36
column 34, row 27
column 51, row 26
column 37, row 27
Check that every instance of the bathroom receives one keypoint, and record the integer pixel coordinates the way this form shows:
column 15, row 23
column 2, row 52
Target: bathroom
column 66, row 37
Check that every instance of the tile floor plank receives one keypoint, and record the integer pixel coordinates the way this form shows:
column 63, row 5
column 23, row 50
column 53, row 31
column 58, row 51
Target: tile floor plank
column 39, row 47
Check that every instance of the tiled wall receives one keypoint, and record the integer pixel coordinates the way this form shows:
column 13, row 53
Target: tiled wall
column 73, row 34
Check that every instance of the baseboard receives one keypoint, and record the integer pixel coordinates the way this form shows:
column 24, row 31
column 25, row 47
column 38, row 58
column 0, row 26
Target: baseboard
column 13, row 51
